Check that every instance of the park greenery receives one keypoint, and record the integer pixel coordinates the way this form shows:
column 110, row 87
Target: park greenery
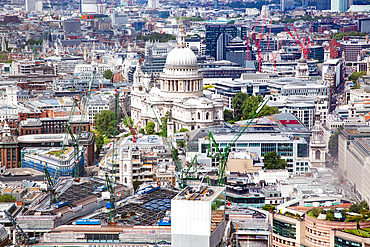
column 333, row 143
column 182, row 130
column 180, row 143
column 105, row 123
column 361, row 211
column 272, row 160
column 7, row 198
column 108, row 74
column 340, row 36
column 161, row 37
column 268, row 207
column 355, row 76
column 244, row 107
column 198, row 18
column 149, row 128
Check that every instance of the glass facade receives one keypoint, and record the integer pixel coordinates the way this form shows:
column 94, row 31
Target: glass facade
column 284, row 229
column 285, row 149
column 340, row 242
column 302, row 150
column 267, row 147
column 212, row 34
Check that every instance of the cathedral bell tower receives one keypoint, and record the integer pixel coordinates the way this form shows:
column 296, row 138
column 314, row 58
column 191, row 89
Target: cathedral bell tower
column 317, row 144
column 139, row 84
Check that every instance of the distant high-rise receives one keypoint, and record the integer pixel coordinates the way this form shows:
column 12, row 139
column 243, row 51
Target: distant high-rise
column 323, row 5
column 286, row 4
column 34, row 5
column 215, row 4
column 339, row 5
column 89, row 6
column 153, row 4
column 213, row 32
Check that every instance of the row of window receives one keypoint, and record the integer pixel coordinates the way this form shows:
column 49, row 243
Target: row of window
column 282, row 241
column 316, row 232
column 315, row 241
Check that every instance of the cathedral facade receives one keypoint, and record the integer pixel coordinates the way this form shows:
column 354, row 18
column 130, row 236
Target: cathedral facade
column 180, row 92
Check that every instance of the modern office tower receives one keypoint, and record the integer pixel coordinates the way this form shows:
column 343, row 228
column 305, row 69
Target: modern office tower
column 89, row 6
column 236, row 51
column 153, row 4
column 339, row 5
column 323, row 5
column 34, row 5
column 351, row 49
column 213, row 32
column 286, row 4
column 222, row 41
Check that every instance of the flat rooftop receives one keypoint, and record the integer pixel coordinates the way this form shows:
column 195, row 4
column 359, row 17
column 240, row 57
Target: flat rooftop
column 205, row 193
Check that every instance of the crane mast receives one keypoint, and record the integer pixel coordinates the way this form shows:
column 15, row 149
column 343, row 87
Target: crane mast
column 223, row 156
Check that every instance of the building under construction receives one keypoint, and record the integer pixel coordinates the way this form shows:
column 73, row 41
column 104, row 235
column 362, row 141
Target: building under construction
column 73, row 200
column 142, row 218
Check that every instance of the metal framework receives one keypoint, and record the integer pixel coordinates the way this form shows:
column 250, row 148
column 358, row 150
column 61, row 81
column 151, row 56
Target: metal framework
column 222, row 156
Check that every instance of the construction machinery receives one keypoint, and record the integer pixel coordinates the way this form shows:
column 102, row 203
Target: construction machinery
column 183, row 174
column 23, row 237
column 38, row 44
column 222, row 155
column 110, row 181
column 50, row 185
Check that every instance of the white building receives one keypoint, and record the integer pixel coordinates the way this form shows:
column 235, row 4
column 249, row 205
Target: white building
column 153, row 4
column 336, row 66
column 34, row 5
column 198, row 221
column 180, row 91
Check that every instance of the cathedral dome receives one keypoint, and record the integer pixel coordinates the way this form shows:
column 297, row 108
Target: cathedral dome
column 181, row 56
column 302, row 60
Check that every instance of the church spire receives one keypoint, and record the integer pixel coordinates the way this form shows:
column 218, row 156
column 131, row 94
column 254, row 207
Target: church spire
column 181, row 37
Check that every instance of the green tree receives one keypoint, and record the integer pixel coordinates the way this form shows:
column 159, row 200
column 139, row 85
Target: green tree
column 7, row 198
column 315, row 212
column 330, row 215
column 356, row 75
column 161, row 37
column 268, row 207
column 238, row 101
column 183, row 130
column 333, row 143
column 163, row 132
column 99, row 141
column 125, row 121
column 250, row 105
column 149, row 128
column 104, row 122
column 180, row 143
column 228, row 115
column 272, row 160
column 108, row 74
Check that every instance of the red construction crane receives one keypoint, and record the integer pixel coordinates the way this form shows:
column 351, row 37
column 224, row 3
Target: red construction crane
column 304, row 46
column 248, row 40
column 258, row 44
column 268, row 41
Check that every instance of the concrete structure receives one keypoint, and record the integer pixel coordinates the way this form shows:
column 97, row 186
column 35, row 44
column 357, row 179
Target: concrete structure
column 198, row 217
